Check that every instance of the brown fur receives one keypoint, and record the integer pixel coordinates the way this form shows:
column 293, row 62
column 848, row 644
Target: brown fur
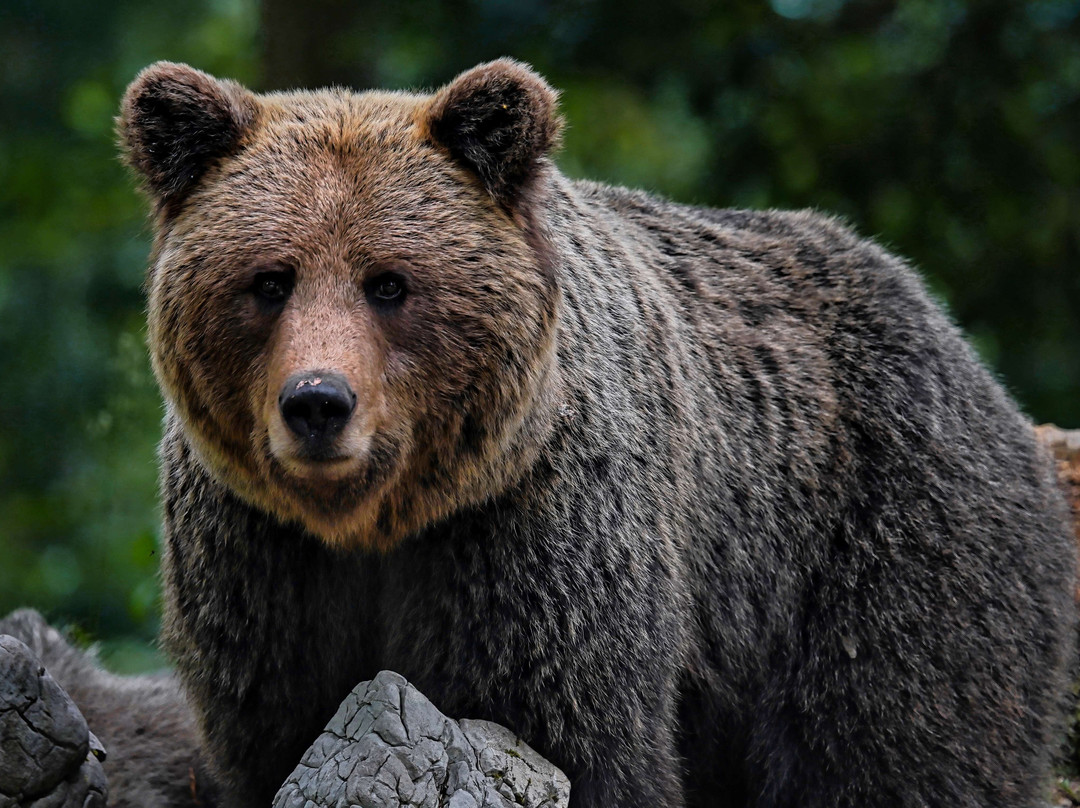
column 328, row 171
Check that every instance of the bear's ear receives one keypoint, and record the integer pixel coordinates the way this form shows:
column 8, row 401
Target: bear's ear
column 175, row 120
column 499, row 119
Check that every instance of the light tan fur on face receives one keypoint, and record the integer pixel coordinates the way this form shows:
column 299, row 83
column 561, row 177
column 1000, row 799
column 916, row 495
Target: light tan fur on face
column 339, row 188
column 317, row 336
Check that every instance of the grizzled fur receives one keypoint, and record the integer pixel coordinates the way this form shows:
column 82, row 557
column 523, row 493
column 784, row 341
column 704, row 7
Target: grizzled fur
column 714, row 508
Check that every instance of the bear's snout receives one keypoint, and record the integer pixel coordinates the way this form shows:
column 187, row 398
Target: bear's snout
column 316, row 407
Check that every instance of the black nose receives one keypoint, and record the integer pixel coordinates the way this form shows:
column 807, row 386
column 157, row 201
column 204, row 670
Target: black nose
column 316, row 406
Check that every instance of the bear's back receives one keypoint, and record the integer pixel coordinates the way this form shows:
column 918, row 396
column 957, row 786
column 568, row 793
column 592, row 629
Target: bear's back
column 790, row 325
column 830, row 418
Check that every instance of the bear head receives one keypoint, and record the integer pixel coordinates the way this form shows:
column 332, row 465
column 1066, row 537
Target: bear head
column 352, row 300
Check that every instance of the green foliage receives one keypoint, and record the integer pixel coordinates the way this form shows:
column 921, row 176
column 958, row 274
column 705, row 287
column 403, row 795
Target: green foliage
column 81, row 414
column 948, row 129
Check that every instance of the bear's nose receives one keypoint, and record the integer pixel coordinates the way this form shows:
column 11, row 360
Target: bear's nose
column 316, row 406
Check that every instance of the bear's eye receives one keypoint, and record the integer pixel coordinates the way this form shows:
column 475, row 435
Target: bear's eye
column 388, row 288
column 273, row 287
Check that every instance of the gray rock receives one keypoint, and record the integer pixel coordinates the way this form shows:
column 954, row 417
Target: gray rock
column 48, row 756
column 389, row 747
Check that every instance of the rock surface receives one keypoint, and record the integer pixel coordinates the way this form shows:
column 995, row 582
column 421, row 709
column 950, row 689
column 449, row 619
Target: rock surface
column 389, row 747
column 48, row 757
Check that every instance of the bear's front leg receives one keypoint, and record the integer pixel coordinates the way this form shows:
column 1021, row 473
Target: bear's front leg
column 580, row 657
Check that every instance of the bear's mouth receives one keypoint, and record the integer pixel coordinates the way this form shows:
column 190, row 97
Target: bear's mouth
column 323, row 456
column 319, row 466
column 330, row 479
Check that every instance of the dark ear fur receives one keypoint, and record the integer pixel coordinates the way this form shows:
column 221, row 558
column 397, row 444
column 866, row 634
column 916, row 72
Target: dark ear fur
column 499, row 119
column 175, row 120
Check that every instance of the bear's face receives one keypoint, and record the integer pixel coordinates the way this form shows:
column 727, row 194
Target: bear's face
column 351, row 306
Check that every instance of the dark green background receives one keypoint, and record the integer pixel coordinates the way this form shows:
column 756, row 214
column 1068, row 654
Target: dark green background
column 949, row 130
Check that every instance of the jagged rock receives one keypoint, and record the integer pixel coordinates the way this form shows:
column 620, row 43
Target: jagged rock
column 1064, row 446
column 48, row 756
column 389, row 747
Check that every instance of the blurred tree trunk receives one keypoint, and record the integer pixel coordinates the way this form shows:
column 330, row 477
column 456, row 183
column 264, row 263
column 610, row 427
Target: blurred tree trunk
column 319, row 43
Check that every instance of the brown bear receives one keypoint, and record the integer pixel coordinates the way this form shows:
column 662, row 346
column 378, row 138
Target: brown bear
column 714, row 508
